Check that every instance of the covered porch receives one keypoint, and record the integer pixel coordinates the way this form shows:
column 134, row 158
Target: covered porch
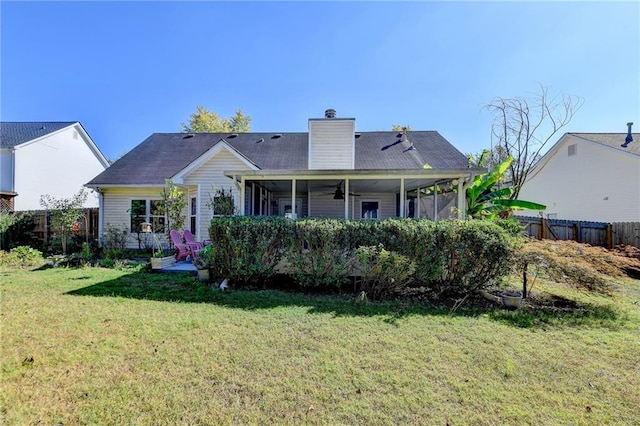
column 352, row 194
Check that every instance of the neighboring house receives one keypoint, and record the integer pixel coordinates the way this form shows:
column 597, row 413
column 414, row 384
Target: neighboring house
column 588, row 176
column 38, row 158
column 330, row 171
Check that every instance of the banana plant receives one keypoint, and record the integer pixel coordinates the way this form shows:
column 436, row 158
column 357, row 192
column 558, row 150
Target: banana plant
column 484, row 200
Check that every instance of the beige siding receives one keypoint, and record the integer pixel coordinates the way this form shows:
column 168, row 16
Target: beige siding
column 206, row 179
column 595, row 184
column 117, row 206
column 331, row 144
column 323, row 205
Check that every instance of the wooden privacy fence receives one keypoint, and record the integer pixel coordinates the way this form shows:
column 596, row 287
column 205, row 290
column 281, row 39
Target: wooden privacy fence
column 43, row 224
column 626, row 233
column 595, row 233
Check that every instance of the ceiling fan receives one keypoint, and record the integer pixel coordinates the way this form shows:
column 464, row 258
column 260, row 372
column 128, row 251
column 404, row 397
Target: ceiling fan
column 338, row 194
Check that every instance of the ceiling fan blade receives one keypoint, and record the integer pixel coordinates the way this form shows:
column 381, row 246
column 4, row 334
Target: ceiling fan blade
column 384, row 148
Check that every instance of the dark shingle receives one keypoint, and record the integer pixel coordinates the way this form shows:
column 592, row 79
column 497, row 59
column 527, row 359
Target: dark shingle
column 13, row 133
column 162, row 155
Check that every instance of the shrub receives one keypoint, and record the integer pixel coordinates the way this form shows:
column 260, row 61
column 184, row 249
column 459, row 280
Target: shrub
column 21, row 257
column 114, row 238
column 318, row 253
column 382, row 272
column 246, row 249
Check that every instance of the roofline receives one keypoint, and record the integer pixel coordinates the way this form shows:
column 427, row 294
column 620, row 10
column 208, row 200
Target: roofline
column 98, row 186
column 92, row 145
column 359, row 173
column 210, row 153
column 34, row 140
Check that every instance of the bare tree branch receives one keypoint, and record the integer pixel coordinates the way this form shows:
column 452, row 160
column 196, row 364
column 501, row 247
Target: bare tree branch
column 523, row 126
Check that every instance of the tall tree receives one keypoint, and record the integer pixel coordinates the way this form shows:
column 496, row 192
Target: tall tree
column 399, row 128
column 205, row 121
column 523, row 126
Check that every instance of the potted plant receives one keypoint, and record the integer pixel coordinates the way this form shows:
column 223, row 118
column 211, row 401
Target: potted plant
column 203, row 263
column 160, row 260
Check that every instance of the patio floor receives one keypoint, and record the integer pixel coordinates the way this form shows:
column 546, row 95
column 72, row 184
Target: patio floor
column 182, row 266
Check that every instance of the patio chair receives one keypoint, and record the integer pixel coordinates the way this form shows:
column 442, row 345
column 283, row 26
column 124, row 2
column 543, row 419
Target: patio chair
column 191, row 242
column 183, row 249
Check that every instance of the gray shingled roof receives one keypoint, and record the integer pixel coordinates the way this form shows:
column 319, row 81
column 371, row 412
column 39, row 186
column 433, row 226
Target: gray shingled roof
column 613, row 140
column 162, row 155
column 13, row 133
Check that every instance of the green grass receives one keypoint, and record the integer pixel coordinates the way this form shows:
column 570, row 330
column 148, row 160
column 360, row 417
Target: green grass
column 101, row 346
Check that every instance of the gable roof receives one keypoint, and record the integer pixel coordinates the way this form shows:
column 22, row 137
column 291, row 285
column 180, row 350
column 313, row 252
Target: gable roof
column 612, row 140
column 162, row 155
column 14, row 133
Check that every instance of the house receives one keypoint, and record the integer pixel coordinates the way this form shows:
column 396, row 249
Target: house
column 330, row 171
column 38, row 158
column 588, row 176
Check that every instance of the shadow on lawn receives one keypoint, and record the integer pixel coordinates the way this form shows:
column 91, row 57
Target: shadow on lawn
column 185, row 289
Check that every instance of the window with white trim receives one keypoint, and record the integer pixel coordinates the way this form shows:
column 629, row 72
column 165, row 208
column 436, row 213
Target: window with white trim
column 146, row 210
column 370, row 210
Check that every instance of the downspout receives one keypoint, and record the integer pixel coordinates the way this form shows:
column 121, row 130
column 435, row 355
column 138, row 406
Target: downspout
column 100, row 216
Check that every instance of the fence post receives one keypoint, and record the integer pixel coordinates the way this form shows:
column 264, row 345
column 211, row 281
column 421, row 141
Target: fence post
column 609, row 236
column 543, row 229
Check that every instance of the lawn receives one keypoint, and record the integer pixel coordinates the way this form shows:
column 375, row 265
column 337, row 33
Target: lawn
column 105, row 346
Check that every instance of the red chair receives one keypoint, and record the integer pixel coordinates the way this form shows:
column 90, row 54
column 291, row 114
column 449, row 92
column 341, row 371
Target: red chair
column 183, row 249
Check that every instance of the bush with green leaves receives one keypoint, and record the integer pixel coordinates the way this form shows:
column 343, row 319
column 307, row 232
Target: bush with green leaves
column 247, row 249
column 318, row 252
column 445, row 257
column 382, row 273
column 21, row 257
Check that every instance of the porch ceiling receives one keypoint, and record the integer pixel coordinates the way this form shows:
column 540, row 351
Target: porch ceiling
column 366, row 181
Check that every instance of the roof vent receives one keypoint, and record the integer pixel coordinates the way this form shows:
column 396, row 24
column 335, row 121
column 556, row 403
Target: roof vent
column 357, row 135
column 276, row 136
column 330, row 113
column 629, row 137
column 232, row 135
column 260, row 140
column 187, row 136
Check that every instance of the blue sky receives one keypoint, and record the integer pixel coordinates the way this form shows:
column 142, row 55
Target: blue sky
column 128, row 69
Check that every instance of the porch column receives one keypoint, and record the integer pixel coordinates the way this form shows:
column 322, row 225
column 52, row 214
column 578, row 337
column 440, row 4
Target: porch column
column 403, row 196
column 435, row 201
column 462, row 200
column 242, row 196
column 418, row 205
column 293, row 199
column 346, row 198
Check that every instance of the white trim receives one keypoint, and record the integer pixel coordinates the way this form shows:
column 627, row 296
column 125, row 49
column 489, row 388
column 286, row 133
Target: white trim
column 210, row 153
column 403, row 197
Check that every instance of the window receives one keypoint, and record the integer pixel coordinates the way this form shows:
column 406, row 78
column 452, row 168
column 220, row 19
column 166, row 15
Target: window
column 146, row 211
column 193, row 215
column 573, row 149
column 370, row 209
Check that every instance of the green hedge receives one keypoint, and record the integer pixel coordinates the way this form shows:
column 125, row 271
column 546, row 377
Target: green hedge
column 451, row 256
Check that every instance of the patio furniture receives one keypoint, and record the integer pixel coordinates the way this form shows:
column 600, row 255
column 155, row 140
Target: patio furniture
column 183, row 249
column 194, row 245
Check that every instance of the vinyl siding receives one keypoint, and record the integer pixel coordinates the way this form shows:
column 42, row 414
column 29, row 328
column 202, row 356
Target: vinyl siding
column 59, row 165
column 206, row 179
column 331, row 144
column 596, row 184
column 117, row 206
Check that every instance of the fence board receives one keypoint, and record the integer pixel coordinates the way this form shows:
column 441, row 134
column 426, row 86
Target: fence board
column 594, row 233
column 626, row 233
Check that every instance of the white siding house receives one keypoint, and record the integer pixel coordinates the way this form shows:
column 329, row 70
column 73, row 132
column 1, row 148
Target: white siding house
column 588, row 176
column 47, row 158
column 329, row 171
